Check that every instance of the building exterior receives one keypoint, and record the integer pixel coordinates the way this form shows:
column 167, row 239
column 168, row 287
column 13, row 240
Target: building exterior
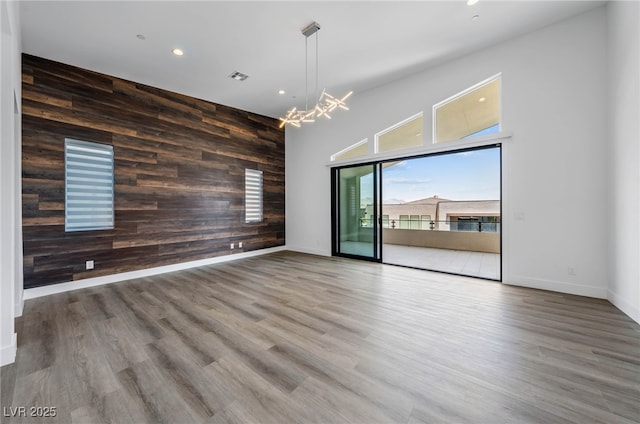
column 436, row 213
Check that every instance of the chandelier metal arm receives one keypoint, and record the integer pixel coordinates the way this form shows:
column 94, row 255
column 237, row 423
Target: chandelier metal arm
column 325, row 103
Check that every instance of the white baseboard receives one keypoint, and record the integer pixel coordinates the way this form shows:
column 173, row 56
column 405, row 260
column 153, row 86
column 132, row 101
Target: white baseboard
column 107, row 279
column 8, row 353
column 622, row 304
column 319, row 252
column 557, row 286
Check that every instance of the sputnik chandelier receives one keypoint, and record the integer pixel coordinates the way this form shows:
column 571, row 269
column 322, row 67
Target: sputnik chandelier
column 326, row 103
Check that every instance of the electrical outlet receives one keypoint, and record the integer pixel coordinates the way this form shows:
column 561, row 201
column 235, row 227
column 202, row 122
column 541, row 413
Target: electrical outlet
column 89, row 265
column 240, row 245
column 571, row 270
column 232, row 245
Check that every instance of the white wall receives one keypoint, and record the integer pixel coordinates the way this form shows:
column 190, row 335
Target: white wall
column 554, row 103
column 10, row 188
column 624, row 140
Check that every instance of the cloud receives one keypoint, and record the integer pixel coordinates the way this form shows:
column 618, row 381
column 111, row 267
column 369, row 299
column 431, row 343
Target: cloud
column 466, row 153
column 407, row 181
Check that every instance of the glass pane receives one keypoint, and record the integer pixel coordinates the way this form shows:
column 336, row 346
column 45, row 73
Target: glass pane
column 447, row 212
column 405, row 135
column 357, row 150
column 355, row 209
column 471, row 113
column 404, row 221
column 415, row 222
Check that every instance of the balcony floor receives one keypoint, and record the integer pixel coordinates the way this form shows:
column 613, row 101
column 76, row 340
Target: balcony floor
column 475, row 264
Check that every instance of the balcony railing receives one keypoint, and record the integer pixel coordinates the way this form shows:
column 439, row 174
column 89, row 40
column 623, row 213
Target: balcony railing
column 467, row 225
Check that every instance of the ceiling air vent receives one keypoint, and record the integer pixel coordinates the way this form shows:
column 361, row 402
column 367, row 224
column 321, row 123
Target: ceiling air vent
column 238, row 76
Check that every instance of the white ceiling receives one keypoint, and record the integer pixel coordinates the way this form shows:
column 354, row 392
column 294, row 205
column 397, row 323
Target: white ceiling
column 362, row 44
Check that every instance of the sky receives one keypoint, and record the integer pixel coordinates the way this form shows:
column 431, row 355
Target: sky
column 472, row 175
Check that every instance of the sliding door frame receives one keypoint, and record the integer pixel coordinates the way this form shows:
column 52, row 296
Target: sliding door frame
column 377, row 219
column 378, row 196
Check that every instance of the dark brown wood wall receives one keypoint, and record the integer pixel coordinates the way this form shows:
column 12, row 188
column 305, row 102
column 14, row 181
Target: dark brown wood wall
column 179, row 174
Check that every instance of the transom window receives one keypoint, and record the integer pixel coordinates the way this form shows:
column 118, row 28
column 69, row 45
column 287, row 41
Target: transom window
column 474, row 112
column 471, row 113
column 403, row 135
column 361, row 148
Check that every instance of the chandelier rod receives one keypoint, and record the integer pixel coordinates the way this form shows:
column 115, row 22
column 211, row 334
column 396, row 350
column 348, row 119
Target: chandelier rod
column 306, row 73
column 317, row 68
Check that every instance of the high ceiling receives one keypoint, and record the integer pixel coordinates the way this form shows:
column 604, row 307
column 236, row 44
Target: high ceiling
column 362, row 44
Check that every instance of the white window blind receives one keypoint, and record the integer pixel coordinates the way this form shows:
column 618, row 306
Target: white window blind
column 253, row 195
column 88, row 186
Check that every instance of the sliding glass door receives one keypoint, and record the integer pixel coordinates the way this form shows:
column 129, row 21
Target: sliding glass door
column 355, row 212
column 440, row 212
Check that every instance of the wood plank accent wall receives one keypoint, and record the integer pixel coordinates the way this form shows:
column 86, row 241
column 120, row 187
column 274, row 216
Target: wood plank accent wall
column 179, row 174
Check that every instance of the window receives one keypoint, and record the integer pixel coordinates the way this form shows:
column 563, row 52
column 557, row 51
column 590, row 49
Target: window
column 88, row 203
column 425, row 222
column 471, row 113
column 414, row 222
column 361, row 148
column 404, row 222
column 253, row 195
column 403, row 135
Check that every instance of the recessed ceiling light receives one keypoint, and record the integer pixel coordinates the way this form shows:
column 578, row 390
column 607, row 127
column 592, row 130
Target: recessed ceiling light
column 177, row 52
column 475, row 17
column 281, row 91
column 471, row 2
column 141, row 37
column 481, row 99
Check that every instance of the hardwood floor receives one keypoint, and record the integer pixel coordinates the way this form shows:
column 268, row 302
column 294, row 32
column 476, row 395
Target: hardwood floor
column 289, row 337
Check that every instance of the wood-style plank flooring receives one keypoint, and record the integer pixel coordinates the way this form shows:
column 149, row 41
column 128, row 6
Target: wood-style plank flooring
column 295, row 338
